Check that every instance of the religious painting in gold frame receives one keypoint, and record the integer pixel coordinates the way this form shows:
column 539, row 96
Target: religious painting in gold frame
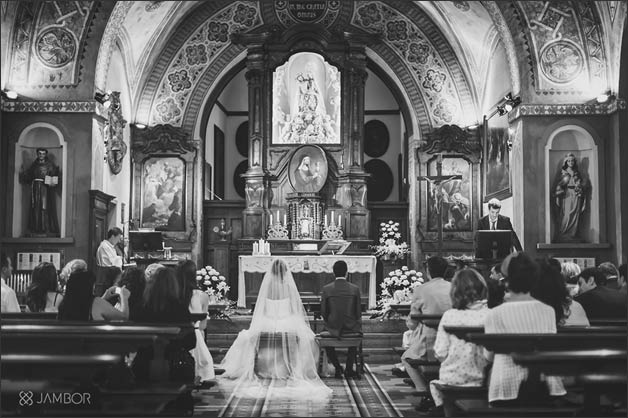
column 496, row 161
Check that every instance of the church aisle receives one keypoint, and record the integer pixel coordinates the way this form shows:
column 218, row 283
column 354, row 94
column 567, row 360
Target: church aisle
column 367, row 397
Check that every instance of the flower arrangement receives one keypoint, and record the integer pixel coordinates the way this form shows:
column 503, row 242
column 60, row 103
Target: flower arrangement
column 210, row 281
column 397, row 288
column 389, row 244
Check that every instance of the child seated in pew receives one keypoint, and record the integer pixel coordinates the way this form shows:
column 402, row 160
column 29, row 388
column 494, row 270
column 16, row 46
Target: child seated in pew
column 462, row 363
column 523, row 314
column 413, row 326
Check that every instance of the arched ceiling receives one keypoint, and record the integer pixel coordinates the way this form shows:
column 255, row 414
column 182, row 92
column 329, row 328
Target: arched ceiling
column 552, row 48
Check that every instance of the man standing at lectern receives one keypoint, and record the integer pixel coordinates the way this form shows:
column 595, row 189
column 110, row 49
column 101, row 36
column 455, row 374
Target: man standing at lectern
column 494, row 221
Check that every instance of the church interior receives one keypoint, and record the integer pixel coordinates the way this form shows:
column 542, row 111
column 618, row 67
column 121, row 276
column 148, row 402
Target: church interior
column 385, row 134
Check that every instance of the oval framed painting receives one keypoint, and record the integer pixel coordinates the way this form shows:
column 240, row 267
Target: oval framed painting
column 242, row 139
column 380, row 184
column 238, row 180
column 307, row 171
column 376, row 138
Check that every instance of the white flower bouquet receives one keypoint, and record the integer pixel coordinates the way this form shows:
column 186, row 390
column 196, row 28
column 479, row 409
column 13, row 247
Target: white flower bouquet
column 389, row 245
column 210, row 281
column 397, row 288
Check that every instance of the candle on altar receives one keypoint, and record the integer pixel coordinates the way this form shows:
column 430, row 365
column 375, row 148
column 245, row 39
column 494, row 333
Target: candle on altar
column 339, row 220
column 271, row 218
column 278, row 218
column 332, row 217
column 285, row 219
column 325, row 220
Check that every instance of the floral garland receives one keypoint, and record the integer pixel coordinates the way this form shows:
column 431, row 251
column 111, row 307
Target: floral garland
column 397, row 288
column 210, row 281
column 389, row 237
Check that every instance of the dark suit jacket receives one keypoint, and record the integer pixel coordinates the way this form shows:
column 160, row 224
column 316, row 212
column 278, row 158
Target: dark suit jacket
column 603, row 302
column 503, row 223
column 341, row 308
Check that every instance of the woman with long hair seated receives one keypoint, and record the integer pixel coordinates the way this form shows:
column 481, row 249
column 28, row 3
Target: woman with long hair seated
column 79, row 304
column 462, row 362
column 198, row 302
column 279, row 345
column 551, row 289
column 161, row 305
column 43, row 294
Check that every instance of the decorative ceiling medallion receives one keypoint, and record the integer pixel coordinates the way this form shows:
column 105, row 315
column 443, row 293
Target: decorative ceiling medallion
column 55, row 47
column 462, row 5
column 561, row 61
column 291, row 12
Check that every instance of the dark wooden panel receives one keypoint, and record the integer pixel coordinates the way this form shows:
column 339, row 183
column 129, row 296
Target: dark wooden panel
column 219, row 162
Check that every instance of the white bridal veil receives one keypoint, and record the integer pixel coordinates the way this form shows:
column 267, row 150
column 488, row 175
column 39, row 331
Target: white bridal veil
column 279, row 348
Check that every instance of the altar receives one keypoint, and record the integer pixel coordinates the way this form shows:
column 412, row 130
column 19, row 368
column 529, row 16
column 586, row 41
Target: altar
column 364, row 264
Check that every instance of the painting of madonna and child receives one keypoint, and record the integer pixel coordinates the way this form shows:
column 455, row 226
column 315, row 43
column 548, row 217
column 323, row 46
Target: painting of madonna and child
column 306, row 101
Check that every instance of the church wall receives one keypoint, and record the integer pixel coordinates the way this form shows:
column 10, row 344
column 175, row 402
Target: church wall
column 76, row 131
column 536, row 132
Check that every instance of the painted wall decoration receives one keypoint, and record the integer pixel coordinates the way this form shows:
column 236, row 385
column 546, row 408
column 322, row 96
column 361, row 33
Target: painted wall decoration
column 308, row 169
column 163, row 194
column 408, row 41
column 567, row 40
column 455, row 197
column 306, row 101
column 196, row 56
column 496, row 161
column 56, row 33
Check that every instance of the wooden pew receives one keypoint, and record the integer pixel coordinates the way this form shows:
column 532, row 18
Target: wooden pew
column 429, row 320
column 462, row 332
column 598, row 370
column 59, row 353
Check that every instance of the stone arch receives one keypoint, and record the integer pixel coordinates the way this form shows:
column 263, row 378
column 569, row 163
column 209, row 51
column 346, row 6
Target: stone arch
column 580, row 141
column 45, row 135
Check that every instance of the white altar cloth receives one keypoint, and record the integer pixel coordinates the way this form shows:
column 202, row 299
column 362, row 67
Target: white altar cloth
column 315, row 264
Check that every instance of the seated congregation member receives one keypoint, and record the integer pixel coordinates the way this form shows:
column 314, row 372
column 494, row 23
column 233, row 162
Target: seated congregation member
column 161, row 305
column 621, row 283
column 413, row 328
column 43, row 294
column 431, row 298
column 551, row 289
column 520, row 314
column 198, row 302
column 609, row 270
column 570, row 272
column 462, row 363
column 70, row 267
column 9, row 299
column 106, row 278
column 598, row 300
column 341, row 308
column 134, row 281
column 496, row 286
column 79, row 304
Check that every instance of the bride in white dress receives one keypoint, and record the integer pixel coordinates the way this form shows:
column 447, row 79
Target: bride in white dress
column 279, row 345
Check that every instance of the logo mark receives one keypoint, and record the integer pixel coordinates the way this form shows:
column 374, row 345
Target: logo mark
column 26, row 398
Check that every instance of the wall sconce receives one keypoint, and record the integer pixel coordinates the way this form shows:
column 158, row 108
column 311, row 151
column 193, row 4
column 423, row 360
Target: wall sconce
column 139, row 126
column 9, row 94
column 605, row 97
column 508, row 104
column 105, row 100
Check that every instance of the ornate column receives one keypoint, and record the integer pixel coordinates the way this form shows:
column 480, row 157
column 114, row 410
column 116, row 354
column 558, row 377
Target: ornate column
column 256, row 177
column 353, row 185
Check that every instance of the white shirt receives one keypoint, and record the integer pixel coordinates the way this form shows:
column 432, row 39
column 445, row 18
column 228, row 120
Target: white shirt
column 106, row 255
column 9, row 300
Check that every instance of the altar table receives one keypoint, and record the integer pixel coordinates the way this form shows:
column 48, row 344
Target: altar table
column 307, row 264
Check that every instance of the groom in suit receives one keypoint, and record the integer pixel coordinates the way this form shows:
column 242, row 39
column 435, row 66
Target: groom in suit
column 342, row 313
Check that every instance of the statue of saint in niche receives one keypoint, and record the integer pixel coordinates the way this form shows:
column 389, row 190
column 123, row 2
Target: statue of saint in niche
column 570, row 192
column 43, row 176
column 306, row 101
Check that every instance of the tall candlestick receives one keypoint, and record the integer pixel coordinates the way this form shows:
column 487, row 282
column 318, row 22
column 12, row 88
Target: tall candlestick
column 271, row 218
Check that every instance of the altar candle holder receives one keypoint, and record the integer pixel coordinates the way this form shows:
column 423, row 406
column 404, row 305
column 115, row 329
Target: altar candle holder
column 332, row 232
column 277, row 231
